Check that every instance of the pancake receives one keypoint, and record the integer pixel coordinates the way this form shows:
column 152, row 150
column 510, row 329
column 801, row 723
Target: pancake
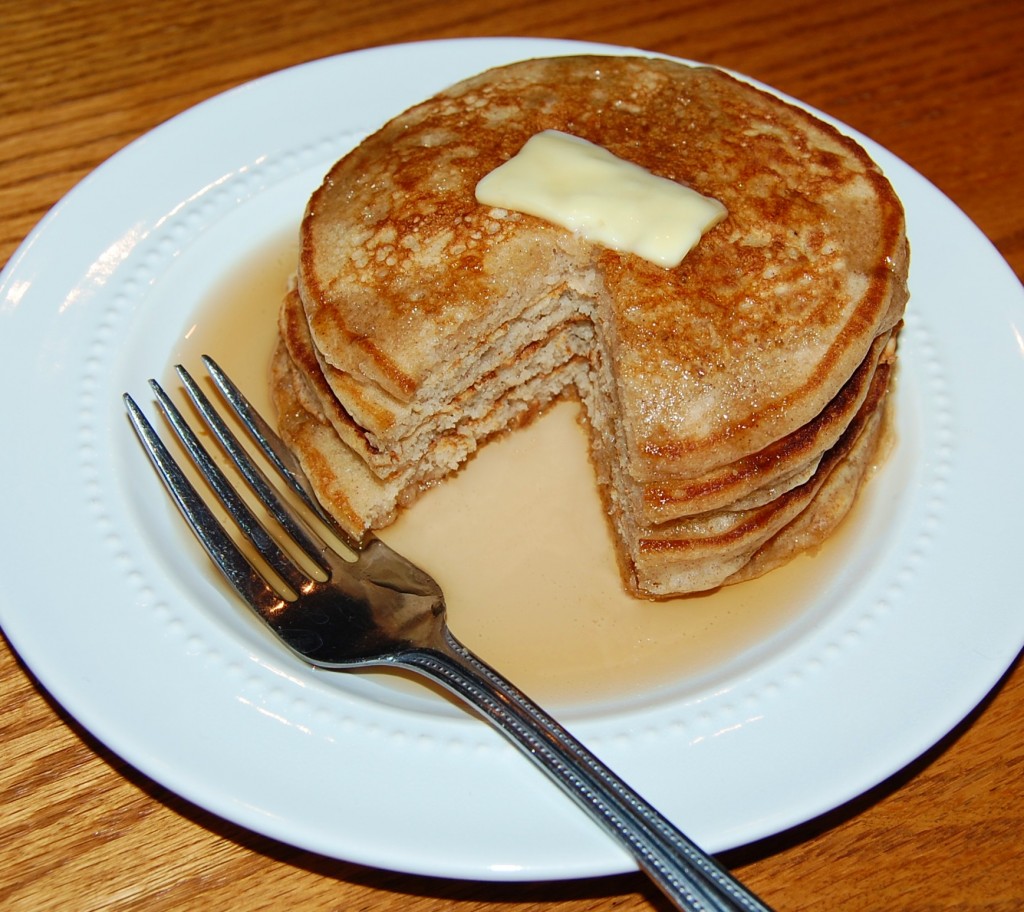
column 719, row 548
column 781, row 465
column 389, row 453
column 727, row 397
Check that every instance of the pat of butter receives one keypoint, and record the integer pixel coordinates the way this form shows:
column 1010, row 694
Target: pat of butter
column 583, row 187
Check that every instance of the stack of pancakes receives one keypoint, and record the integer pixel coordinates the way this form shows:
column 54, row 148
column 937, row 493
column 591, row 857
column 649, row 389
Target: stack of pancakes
column 735, row 402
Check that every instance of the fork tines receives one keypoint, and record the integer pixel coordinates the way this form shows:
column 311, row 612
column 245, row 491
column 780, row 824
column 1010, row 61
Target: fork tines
column 220, row 545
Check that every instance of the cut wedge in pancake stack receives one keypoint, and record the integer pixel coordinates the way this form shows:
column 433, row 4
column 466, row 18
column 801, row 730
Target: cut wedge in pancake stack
column 735, row 402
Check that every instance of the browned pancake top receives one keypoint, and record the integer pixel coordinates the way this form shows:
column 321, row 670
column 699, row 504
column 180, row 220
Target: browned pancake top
column 746, row 340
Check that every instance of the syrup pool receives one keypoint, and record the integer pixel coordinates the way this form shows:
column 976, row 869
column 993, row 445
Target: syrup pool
column 523, row 551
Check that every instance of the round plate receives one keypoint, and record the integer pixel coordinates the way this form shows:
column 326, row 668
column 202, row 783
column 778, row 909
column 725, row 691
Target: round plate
column 123, row 625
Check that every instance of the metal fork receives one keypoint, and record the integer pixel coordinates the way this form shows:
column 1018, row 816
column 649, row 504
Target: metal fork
column 379, row 610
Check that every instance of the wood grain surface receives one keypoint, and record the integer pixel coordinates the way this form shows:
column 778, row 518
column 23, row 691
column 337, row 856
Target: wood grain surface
column 940, row 83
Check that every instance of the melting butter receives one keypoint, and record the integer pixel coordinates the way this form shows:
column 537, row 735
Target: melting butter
column 578, row 185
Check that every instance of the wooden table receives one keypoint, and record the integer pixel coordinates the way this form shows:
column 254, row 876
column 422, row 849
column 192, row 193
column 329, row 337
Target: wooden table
column 939, row 82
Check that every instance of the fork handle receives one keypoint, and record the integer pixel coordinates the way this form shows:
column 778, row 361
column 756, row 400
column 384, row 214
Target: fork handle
column 688, row 876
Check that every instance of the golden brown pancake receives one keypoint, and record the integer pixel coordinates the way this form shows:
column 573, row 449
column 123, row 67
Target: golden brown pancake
column 722, row 394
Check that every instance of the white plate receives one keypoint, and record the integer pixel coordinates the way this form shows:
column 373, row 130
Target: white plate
column 125, row 630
